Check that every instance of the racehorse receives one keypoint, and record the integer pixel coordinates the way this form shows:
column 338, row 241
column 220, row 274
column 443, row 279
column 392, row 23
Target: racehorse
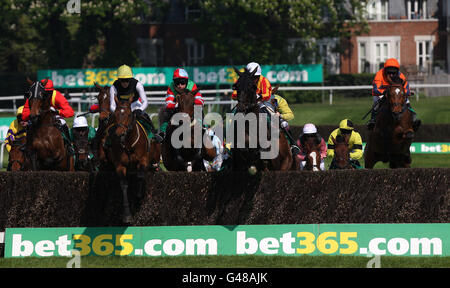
column 82, row 150
column 247, row 158
column 17, row 159
column 45, row 143
column 393, row 133
column 341, row 159
column 103, row 123
column 186, row 158
column 312, row 157
column 128, row 151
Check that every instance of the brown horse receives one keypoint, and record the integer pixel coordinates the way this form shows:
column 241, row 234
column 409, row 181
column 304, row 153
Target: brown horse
column 17, row 159
column 393, row 133
column 248, row 158
column 187, row 158
column 128, row 151
column 104, row 120
column 45, row 143
column 341, row 159
column 312, row 157
column 82, row 150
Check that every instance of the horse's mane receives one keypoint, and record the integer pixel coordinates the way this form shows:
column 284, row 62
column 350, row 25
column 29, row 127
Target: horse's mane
column 246, row 87
column 340, row 139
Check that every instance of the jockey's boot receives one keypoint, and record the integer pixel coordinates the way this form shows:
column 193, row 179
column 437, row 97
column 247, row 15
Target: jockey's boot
column 66, row 136
column 416, row 122
column 146, row 119
column 285, row 128
column 372, row 120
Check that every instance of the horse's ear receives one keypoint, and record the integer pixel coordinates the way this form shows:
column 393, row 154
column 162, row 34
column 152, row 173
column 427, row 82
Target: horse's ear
column 29, row 81
column 239, row 73
column 275, row 90
column 45, row 82
column 333, row 139
column 98, row 86
column 252, row 73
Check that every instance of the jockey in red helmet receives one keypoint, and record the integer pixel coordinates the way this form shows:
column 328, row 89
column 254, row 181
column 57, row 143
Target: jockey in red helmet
column 180, row 83
column 59, row 104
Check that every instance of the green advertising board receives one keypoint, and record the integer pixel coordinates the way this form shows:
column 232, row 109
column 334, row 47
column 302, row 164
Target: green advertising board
column 285, row 240
column 4, row 126
column 427, row 148
column 162, row 76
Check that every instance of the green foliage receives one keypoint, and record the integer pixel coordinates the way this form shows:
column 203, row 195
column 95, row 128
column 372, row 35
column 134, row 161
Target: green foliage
column 42, row 33
column 258, row 29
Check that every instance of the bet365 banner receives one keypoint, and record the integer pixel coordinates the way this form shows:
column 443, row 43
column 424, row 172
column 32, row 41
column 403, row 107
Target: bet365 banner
column 286, row 240
column 162, row 76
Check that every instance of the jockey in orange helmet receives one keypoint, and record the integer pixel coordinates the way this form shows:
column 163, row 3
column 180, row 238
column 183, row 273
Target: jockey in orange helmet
column 380, row 83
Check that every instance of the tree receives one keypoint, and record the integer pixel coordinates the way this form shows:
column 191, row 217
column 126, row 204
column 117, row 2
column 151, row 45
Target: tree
column 242, row 30
column 40, row 34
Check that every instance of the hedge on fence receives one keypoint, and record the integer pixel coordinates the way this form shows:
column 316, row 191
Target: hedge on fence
column 58, row 199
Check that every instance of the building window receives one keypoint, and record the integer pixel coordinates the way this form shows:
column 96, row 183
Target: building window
column 151, row 51
column 192, row 12
column 363, row 63
column 416, row 9
column 381, row 54
column 377, row 10
column 374, row 51
column 424, row 52
column 195, row 52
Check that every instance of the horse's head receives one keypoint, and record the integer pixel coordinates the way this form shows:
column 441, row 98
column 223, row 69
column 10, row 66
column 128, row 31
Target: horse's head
column 103, row 102
column 81, row 147
column 312, row 158
column 185, row 101
column 38, row 99
column 396, row 96
column 245, row 87
column 341, row 152
column 123, row 117
column 17, row 155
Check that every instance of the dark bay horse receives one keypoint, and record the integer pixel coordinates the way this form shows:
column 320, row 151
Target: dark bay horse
column 17, row 160
column 248, row 158
column 45, row 143
column 104, row 121
column 341, row 159
column 82, row 150
column 188, row 157
column 128, row 151
column 393, row 133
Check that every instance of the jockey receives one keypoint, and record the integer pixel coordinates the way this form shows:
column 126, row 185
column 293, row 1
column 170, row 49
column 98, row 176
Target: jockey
column 310, row 130
column 285, row 113
column 354, row 142
column 268, row 103
column 380, row 83
column 216, row 163
column 125, row 87
column 180, row 83
column 58, row 104
column 17, row 129
column 81, row 128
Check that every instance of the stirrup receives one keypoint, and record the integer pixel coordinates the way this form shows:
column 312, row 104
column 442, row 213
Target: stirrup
column 295, row 150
